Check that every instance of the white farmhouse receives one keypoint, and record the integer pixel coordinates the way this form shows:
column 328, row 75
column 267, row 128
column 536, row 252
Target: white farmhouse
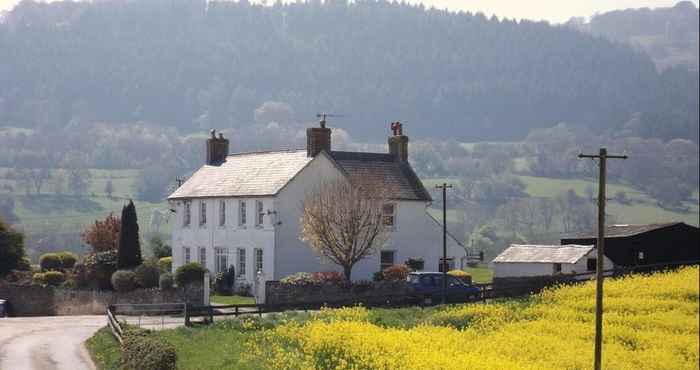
column 543, row 260
column 244, row 209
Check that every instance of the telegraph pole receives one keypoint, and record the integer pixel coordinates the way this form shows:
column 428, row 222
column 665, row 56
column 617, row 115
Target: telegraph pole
column 603, row 157
column 443, row 263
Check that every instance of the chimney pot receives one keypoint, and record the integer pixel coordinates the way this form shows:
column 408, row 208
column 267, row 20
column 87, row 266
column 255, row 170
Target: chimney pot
column 398, row 142
column 217, row 148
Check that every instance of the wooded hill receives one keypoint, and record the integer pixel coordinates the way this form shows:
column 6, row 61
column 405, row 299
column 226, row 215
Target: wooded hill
column 193, row 66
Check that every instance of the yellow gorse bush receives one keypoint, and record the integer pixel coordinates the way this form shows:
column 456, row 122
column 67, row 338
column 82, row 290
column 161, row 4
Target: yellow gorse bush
column 651, row 322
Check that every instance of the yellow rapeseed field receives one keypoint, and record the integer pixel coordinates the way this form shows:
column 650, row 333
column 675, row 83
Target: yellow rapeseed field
column 651, row 322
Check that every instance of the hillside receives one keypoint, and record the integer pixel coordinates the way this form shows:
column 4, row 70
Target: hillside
column 458, row 75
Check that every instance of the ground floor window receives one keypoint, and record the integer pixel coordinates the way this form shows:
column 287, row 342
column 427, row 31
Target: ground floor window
column 591, row 264
column 186, row 256
column 203, row 256
column 241, row 261
column 258, row 260
column 557, row 268
column 220, row 259
column 386, row 259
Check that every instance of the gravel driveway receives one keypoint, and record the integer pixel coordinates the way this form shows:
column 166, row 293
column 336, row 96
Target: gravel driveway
column 54, row 342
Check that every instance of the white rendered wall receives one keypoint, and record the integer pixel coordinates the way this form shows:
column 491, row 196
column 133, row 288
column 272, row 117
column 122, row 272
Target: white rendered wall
column 230, row 235
column 515, row 269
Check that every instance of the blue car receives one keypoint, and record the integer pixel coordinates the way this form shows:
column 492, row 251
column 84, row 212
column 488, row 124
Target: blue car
column 426, row 287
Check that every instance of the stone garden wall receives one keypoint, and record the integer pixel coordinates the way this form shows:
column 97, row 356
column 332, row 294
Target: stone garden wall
column 38, row 300
column 372, row 294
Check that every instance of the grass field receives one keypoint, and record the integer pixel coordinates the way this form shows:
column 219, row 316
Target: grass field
column 481, row 274
column 650, row 322
column 231, row 299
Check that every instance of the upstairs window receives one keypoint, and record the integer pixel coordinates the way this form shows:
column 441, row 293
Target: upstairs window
column 259, row 213
column 388, row 215
column 386, row 259
column 222, row 213
column 202, row 213
column 241, row 213
column 187, row 215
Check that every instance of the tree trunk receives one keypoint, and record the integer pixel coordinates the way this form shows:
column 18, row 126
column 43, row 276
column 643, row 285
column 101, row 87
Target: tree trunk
column 347, row 270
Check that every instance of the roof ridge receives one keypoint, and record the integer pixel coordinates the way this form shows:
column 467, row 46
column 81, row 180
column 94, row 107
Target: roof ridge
column 267, row 151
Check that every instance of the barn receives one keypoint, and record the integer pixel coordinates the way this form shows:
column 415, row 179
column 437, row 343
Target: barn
column 634, row 245
column 546, row 260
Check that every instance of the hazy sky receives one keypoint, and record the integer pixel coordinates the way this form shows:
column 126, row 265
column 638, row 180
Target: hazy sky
column 551, row 10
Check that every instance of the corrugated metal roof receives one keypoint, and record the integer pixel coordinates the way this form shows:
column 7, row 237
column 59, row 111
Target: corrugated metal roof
column 244, row 175
column 621, row 231
column 266, row 173
column 544, row 253
column 399, row 179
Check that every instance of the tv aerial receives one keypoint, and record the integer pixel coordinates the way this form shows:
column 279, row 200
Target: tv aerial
column 322, row 117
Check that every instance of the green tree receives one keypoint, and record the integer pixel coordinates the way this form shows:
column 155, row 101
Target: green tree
column 159, row 248
column 129, row 252
column 11, row 248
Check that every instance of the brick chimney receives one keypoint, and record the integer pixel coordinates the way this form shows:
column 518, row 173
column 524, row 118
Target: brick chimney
column 318, row 138
column 217, row 149
column 398, row 142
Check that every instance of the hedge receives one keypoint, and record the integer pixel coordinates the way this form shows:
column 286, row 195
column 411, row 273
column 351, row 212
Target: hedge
column 189, row 273
column 144, row 351
column 166, row 281
column 123, row 280
column 147, row 274
column 68, row 259
column 165, row 264
column 50, row 261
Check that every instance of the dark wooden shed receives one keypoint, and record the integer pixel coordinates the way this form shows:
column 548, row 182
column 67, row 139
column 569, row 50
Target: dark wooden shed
column 633, row 245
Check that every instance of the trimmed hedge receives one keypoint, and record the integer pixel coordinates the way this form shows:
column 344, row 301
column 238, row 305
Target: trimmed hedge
column 144, row 351
column 166, row 281
column 50, row 261
column 147, row 274
column 189, row 273
column 52, row 278
column 123, row 280
column 166, row 264
column 68, row 259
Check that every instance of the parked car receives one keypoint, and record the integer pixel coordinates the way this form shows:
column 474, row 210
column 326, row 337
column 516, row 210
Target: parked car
column 426, row 287
column 3, row 308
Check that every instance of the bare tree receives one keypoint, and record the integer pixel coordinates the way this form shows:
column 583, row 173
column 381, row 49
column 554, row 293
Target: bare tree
column 343, row 221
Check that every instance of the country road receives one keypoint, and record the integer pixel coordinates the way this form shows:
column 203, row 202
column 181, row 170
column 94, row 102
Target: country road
column 40, row 343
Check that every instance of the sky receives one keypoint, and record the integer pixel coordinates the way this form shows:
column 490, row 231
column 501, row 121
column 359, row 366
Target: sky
column 554, row 11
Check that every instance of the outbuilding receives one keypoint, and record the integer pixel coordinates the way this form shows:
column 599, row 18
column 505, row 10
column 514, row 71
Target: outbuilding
column 546, row 260
column 650, row 244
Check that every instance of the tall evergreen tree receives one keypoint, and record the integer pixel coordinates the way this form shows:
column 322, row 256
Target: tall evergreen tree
column 129, row 253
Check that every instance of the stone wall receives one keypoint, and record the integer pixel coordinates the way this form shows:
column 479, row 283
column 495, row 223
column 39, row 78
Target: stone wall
column 380, row 293
column 47, row 301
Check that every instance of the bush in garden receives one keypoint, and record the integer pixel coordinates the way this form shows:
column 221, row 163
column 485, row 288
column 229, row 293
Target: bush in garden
column 329, row 277
column 50, row 261
column 189, row 273
column 147, row 274
column 99, row 268
column 144, row 351
column 225, row 281
column 69, row 284
column 165, row 264
column 378, row 276
column 415, row 264
column 299, row 278
column 24, row 264
column 68, row 259
column 396, row 273
column 38, row 278
column 54, row 278
column 165, row 281
column 124, row 280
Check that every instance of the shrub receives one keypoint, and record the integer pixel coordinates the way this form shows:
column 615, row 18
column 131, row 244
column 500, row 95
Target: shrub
column 11, row 248
column 329, row 277
column 24, row 264
column 99, row 268
column 54, row 278
column 124, row 280
column 415, row 264
column 189, row 273
column 299, row 278
column 225, row 281
column 144, row 351
column 396, row 273
column 378, row 276
column 165, row 264
column 80, row 276
column 50, row 261
column 147, row 274
column 38, row 278
column 69, row 284
column 68, row 259
column 166, row 281
column 159, row 248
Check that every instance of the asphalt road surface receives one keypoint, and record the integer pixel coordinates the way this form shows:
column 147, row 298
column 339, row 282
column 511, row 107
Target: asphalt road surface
column 54, row 342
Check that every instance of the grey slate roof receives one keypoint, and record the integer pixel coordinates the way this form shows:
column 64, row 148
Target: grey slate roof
column 621, row 231
column 399, row 178
column 266, row 173
column 244, row 175
column 543, row 253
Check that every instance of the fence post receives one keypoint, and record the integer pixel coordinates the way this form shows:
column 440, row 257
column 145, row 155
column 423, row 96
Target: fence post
column 187, row 315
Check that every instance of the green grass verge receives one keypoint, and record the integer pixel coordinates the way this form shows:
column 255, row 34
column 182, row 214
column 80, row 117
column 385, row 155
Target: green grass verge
column 480, row 274
column 104, row 350
column 232, row 299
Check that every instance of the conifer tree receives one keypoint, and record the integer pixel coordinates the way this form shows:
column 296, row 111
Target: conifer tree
column 129, row 253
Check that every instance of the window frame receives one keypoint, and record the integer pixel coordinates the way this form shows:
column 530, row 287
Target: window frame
column 258, row 260
column 187, row 214
column 386, row 216
column 222, row 213
column 202, row 213
column 202, row 256
column 186, row 255
column 556, row 268
column 259, row 213
column 221, row 253
column 588, row 264
column 242, row 213
column 384, row 265
column 241, row 261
